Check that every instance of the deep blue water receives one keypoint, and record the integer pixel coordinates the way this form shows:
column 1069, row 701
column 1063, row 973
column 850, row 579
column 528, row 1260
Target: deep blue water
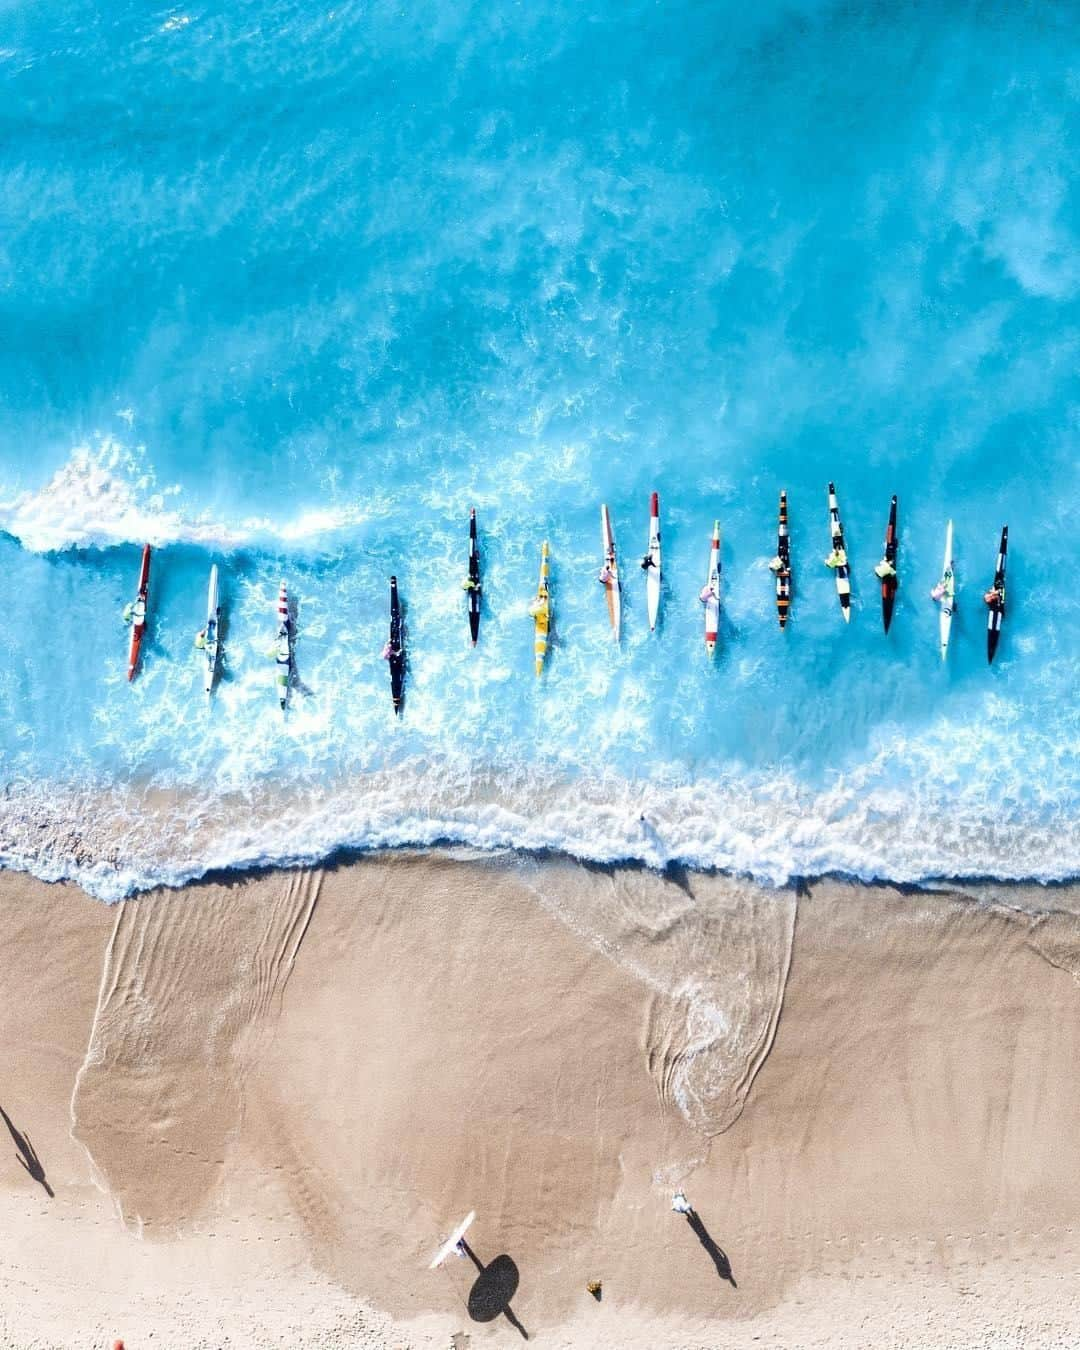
column 291, row 290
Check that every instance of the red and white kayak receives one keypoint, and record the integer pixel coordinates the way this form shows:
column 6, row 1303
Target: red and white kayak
column 138, row 613
column 710, row 595
column 651, row 563
column 609, row 574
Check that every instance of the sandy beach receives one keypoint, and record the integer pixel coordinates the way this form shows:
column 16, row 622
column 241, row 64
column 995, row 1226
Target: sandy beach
column 245, row 1113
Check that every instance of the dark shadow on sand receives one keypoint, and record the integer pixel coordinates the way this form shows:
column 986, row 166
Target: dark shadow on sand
column 27, row 1155
column 493, row 1289
column 716, row 1252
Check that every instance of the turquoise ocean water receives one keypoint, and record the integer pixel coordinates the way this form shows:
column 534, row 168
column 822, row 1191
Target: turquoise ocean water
column 290, row 288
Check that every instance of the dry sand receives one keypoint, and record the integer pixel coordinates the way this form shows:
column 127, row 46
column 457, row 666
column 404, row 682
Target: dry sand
column 259, row 1105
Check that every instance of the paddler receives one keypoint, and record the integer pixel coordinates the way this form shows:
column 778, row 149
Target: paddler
column 470, row 584
column 200, row 639
column 778, row 565
column 647, row 562
column 995, row 597
column 837, row 558
column 885, row 570
column 938, row 592
column 706, row 594
column 129, row 611
column 606, row 576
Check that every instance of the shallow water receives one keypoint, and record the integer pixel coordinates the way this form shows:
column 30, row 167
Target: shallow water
column 292, row 291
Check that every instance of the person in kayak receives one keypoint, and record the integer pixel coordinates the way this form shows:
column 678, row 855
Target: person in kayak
column 995, row 597
column 706, row 594
column 606, row 576
column 129, row 611
column 885, row 570
column 779, row 566
column 647, row 562
column 469, row 584
column 389, row 652
column 837, row 558
column 200, row 639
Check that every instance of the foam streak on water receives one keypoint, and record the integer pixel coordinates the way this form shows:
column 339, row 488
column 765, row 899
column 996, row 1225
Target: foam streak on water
column 294, row 290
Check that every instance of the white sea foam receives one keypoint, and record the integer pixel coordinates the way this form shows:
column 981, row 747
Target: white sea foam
column 118, row 840
column 106, row 495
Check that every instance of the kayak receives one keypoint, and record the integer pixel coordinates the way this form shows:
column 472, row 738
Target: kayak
column 609, row 574
column 395, row 652
column 889, row 581
column 138, row 614
column 710, row 596
column 996, row 601
column 651, row 563
column 945, row 593
column 781, row 565
column 837, row 560
column 541, row 612
column 283, row 650
column 210, row 632
column 472, row 585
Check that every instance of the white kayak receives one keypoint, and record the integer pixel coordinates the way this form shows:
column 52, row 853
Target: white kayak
column 211, row 637
column 710, row 595
column 453, row 1242
column 945, row 593
column 283, row 658
column 651, row 563
column 609, row 574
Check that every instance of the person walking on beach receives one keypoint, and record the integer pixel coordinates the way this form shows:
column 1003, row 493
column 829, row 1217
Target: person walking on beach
column 680, row 1204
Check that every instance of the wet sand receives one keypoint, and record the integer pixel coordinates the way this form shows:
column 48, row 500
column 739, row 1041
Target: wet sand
column 259, row 1105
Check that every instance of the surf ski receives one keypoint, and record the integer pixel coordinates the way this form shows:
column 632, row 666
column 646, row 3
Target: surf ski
column 471, row 584
column 540, row 609
column 609, row 574
column 208, row 639
column 885, row 571
column 780, row 566
column 710, row 594
column 135, row 614
column 838, row 559
column 283, row 649
column 995, row 599
column 455, row 1242
column 945, row 593
column 394, row 651
column 650, row 564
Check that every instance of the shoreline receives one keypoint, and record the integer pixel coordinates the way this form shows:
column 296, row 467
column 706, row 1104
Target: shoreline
column 260, row 1102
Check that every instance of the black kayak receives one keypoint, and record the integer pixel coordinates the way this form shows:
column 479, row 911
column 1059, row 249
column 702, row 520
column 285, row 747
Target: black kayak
column 473, row 584
column 889, row 584
column 996, row 599
column 397, row 649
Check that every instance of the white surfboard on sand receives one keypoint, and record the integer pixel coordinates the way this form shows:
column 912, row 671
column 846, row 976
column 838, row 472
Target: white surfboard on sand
column 451, row 1243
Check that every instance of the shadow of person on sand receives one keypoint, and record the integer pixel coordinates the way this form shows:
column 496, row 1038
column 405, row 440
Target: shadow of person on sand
column 493, row 1289
column 716, row 1252
column 27, row 1155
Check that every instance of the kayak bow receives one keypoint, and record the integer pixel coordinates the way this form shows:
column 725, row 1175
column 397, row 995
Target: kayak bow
column 837, row 559
column 886, row 569
column 651, row 563
column 945, row 593
column 283, row 652
column 541, row 612
column 138, row 614
column 609, row 574
column 710, row 596
column 472, row 585
column 781, row 565
column 396, row 649
column 995, row 599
